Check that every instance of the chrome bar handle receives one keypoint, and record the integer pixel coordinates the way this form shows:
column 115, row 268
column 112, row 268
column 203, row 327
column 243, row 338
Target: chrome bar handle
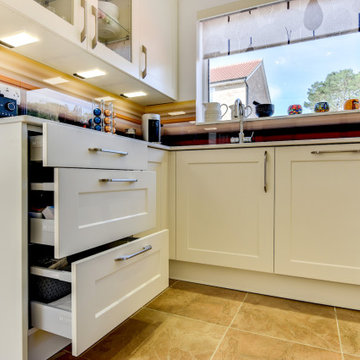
column 127, row 257
column 265, row 170
column 320, row 152
column 95, row 38
column 118, row 180
column 123, row 153
column 144, row 51
column 84, row 30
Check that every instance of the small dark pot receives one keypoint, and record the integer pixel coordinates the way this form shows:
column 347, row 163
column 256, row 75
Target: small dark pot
column 263, row 110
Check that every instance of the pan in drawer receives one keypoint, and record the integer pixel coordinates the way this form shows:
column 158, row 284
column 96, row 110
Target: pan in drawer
column 106, row 289
column 95, row 207
column 69, row 146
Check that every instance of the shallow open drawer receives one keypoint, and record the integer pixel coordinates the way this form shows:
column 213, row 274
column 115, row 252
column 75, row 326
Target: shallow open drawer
column 95, row 207
column 106, row 289
column 69, row 146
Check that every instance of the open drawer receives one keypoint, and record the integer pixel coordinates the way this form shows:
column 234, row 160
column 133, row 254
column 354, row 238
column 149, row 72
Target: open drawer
column 106, row 289
column 89, row 149
column 95, row 207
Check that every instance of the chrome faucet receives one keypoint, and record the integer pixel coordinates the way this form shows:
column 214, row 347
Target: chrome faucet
column 239, row 113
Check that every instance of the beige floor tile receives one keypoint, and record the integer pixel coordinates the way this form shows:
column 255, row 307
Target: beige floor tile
column 349, row 325
column 151, row 335
column 297, row 321
column 350, row 357
column 207, row 303
column 238, row 345
column 64, row 355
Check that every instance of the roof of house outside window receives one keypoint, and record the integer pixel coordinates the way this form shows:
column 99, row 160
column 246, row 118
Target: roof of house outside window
column 234, row 72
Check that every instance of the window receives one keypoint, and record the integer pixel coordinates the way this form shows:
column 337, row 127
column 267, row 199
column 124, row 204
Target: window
column 289, row 52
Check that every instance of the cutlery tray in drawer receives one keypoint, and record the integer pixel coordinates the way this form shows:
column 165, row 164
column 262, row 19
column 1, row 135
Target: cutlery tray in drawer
column 107, row 288
column 95, row 207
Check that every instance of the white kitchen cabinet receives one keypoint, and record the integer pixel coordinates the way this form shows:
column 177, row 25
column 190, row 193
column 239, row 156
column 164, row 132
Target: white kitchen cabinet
column 108, row 283
column 157, row 20
column 133, row 42
column 317, row 207
column 224, row 207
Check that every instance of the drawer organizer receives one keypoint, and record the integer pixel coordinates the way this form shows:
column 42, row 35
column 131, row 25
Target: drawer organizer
column 94, row 207
column 107, row 288
column 89, row 149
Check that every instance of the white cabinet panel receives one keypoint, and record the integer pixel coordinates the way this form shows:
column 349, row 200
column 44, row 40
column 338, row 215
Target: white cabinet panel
column 89, row 212
column 224, row 216
column 317, row 207
column 106, row 291
column 89, row 149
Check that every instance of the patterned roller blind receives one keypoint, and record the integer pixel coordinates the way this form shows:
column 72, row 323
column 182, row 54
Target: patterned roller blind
column 280, row 23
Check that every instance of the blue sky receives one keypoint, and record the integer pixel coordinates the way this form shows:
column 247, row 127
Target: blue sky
column 291, row 69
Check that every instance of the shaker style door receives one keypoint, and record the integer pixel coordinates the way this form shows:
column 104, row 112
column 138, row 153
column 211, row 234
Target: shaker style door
column 317, row 208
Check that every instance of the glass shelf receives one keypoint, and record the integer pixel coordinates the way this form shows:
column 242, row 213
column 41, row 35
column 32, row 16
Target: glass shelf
column 114, row 26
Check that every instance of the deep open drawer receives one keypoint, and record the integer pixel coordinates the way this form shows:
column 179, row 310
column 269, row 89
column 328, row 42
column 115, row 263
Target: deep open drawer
column 95, row 207
column 70, row 146
column 106, row 289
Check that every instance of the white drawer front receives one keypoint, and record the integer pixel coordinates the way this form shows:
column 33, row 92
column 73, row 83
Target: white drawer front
column 89, row 212
column 68, row 146
column 105, row 292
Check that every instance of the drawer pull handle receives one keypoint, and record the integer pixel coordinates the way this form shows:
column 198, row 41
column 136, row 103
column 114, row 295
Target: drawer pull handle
column 126, row 257
column 118, row 180
column 319, row 152
column 123, row 153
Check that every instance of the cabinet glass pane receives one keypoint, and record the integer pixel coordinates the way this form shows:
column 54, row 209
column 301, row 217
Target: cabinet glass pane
column 62, row 8
column 114, row 22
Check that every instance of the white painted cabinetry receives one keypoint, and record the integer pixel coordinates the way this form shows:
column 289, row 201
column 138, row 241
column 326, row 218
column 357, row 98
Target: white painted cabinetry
column 224, row 207
column 317, row 208
column 137, row 51
column 108, row 283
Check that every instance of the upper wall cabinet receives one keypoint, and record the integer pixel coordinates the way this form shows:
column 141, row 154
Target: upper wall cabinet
column 133, row 43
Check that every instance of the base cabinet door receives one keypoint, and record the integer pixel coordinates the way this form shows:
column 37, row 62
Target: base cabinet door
column 317, row 209
column 224, row 212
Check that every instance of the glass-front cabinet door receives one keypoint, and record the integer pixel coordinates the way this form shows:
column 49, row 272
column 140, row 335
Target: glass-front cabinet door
column 114, row 26
column 112, row 38
column 67, row 17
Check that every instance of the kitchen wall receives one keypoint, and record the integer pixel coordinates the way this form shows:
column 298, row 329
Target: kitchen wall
column 188, row 14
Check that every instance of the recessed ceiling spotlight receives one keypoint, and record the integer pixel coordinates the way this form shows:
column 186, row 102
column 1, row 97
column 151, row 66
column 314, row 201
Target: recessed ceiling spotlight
column 210, row 129
column 134, row 94
column 175, row 113
column 105, row 98
column 90, row 74
column 56, row 80
column 17, row 40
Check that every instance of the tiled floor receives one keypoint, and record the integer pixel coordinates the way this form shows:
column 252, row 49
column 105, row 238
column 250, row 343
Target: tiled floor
column 196, row 322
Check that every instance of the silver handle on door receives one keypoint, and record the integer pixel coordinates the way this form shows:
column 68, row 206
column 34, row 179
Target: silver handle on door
column 118, row 180
column 95, row 38
column 144, row 51
column 319, row 152
column 126, row 257
column 265, row 171
column 84, row 30
column 123, row 153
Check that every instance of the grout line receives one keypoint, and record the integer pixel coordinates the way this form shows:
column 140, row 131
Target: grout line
column 186, row 317
column 289, row 341
column 226, row 331
column 338, row 329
